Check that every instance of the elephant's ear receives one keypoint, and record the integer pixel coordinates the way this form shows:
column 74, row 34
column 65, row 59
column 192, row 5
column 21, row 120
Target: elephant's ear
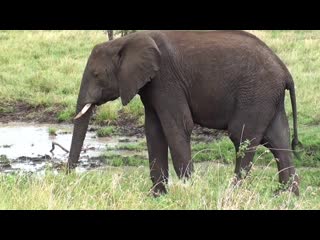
column 139, row 62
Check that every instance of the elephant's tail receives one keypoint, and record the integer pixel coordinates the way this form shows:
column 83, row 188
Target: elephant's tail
column 295, row 142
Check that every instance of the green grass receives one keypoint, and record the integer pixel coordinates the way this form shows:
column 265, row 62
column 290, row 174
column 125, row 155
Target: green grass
column 108, row 113
column 118, row 160
column 52, row 131
column 310, row 153
column 128, row 188
column 223, row 150
column 141, row 146
column 8, row 109
column 105, row 131
column 66, row 114
column 3, row 158
column 44, row 68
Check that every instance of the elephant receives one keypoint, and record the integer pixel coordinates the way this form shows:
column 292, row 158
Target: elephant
column 221, row 79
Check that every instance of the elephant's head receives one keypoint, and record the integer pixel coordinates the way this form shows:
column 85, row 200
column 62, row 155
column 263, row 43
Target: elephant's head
column 119, row 68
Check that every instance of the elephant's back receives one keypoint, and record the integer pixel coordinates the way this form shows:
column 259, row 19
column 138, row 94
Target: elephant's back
column 220, row 44
column 185, row 39
column 216, row 43
column 232, row 55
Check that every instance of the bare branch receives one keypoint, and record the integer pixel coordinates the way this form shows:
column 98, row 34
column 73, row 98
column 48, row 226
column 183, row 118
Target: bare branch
column 57, row 144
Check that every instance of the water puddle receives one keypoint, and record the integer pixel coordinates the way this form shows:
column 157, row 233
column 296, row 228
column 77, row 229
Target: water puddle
column 26, row 147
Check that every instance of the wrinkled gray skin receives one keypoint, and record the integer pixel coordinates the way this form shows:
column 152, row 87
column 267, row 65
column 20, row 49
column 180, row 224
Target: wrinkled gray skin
column 227, row 80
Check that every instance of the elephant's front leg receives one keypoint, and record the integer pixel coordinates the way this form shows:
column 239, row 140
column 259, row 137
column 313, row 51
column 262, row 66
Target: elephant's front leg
column 158, row 152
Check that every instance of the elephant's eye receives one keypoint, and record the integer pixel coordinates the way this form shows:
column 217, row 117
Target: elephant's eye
column 95, row 73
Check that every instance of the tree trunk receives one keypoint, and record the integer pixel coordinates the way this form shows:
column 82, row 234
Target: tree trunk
column 110, row 34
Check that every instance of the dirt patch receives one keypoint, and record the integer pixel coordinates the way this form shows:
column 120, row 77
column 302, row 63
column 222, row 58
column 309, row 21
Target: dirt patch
column 24, row 112
column 128, row 125
column 201, row 134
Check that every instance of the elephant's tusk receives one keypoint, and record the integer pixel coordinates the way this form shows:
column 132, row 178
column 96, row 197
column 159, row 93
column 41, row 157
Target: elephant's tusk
column 83, row 111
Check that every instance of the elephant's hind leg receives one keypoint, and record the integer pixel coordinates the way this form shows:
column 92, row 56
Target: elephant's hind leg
column 277, row 139
column 246, row 132
column 245, row 147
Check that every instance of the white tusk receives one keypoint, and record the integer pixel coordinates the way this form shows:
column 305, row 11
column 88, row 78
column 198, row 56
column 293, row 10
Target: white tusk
column 83, row 111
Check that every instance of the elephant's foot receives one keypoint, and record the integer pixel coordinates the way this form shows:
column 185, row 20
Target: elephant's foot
column 292, row 189
column 294, row 185
column 236, row 182
column 239, row 178
column 291, row 186
column 158, row 189
column 295, row 189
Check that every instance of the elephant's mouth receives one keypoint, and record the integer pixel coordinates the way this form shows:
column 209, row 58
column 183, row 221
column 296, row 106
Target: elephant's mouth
column 103, row 101
column 89, row 105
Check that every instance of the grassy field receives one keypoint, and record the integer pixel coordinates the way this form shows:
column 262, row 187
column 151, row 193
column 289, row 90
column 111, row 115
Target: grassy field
column 43, row 70
column 128, row 188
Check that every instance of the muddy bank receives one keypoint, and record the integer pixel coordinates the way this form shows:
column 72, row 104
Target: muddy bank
column 126, row 125
column 24, row 112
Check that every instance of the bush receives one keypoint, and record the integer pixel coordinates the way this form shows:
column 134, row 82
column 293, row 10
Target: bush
column 105, row 131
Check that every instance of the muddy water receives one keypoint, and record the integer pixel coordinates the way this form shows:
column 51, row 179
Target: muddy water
column 26, row 147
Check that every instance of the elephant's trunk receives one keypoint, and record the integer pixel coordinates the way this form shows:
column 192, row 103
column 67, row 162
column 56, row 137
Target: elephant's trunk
column 79, row 134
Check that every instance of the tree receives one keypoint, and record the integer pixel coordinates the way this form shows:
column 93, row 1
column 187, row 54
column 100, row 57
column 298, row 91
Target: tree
column 112, row 33
column 126, row 32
